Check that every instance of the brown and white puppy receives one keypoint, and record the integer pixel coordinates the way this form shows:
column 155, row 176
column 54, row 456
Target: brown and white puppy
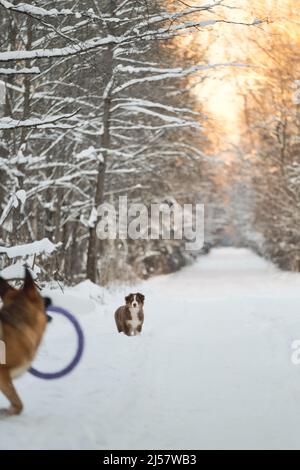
column 22, row 325
column 130, row 317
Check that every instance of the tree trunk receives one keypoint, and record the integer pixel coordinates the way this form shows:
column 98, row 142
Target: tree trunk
column 99, row 196
column 18, row 232
column 93, row 243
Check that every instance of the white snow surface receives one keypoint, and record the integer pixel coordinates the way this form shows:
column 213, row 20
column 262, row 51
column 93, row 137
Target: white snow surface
column 211, row 370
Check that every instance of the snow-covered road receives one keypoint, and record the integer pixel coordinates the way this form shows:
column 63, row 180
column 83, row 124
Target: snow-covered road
column 212, row 368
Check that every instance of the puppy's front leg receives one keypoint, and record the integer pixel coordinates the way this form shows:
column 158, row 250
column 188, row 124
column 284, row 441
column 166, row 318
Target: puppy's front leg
column 127, row 329
column 138, row 330
column 8, row 389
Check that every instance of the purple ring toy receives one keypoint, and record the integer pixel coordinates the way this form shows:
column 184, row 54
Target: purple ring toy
column 80, row 348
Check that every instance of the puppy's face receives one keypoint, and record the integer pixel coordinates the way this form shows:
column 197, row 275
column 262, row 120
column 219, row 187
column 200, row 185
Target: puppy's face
column 135, row 300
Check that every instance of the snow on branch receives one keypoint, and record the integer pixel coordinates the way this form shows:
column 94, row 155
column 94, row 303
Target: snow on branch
column 178, row 15
column 8, row 123
column 141, row 31
column 136, row 109
column 33, row 10
column 18, row 197
column 36, row 248
column 125, row 102
column 23, row 71
column 171, row 74
column 67, row 51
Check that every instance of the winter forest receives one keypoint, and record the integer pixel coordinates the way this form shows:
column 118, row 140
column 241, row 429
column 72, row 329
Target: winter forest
column 166, row 104
column 160, row 101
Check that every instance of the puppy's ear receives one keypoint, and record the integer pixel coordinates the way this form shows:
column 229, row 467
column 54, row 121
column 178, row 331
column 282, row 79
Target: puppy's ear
column 4, row 287
column 128, row 298
column 141, row 297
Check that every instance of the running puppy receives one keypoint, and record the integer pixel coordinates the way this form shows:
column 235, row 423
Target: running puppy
column 22, row 326
column 130, row 317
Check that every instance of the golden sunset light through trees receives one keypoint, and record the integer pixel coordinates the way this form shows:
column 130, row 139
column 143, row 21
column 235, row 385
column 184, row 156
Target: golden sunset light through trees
column 254, row 122
column 252, row 102
column 227, row 91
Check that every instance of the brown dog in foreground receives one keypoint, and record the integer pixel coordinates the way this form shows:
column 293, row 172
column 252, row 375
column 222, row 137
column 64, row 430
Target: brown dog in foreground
column 22, row 325
column 130, row 317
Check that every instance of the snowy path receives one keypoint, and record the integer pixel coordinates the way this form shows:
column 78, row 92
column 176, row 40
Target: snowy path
column 211, row 370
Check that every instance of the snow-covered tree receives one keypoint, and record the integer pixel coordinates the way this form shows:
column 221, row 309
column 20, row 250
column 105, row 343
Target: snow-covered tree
column 97, row 104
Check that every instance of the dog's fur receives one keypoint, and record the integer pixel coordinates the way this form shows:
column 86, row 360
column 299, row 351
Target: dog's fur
column 23, row 322
column 130, row 317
